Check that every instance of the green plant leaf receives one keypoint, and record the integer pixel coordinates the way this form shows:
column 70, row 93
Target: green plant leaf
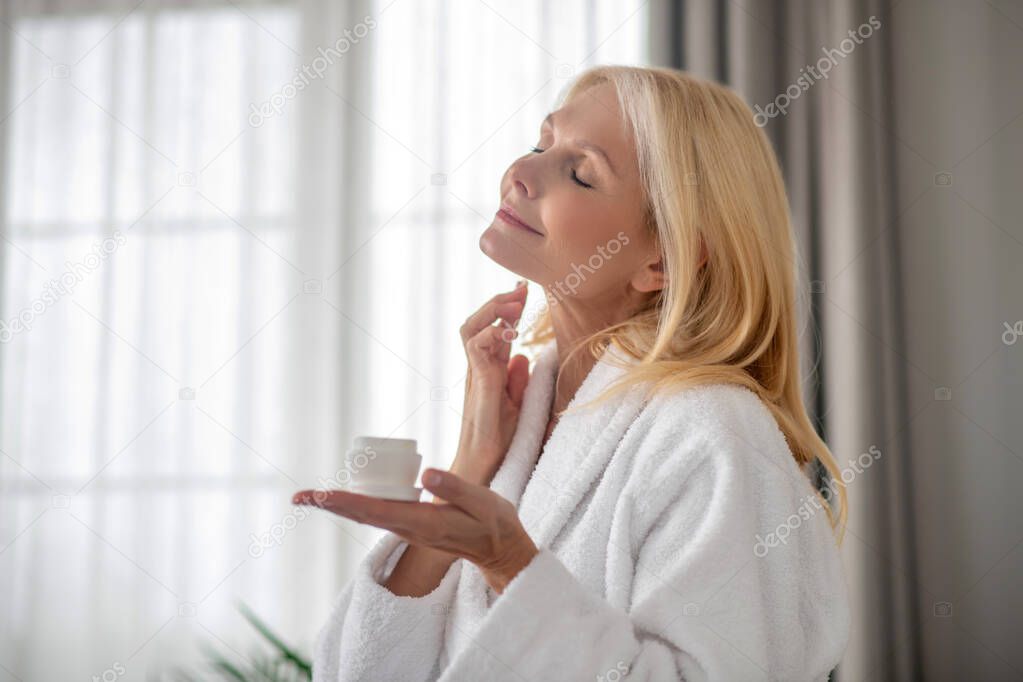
column 228, row 669
column 286, row 651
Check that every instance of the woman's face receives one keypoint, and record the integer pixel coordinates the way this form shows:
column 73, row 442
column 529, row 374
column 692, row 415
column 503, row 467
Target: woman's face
column 580, row 194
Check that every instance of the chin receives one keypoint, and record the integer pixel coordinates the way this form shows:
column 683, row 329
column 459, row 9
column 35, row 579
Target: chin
column 510, row 255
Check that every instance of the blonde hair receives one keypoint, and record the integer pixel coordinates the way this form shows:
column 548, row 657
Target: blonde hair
column 709, row 173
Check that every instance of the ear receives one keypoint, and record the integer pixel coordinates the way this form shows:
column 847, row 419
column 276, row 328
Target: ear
column 704, row 255
column 651, row 277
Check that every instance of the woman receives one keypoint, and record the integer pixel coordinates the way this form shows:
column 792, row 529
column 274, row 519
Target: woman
column 626, row 510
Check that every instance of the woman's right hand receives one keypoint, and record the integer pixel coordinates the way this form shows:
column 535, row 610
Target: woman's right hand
column 494, row 386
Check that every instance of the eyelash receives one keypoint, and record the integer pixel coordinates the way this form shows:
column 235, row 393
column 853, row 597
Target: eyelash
column 537, row 150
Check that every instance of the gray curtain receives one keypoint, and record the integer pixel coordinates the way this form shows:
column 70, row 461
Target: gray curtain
column 903, row 167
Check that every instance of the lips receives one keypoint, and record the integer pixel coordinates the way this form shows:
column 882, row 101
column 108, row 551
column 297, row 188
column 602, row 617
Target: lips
column 509, row 216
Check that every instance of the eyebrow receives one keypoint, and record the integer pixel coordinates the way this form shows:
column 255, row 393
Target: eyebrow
column 549, row 120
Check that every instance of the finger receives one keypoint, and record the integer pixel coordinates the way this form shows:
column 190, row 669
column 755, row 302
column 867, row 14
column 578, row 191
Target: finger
column 493, row 310
column 491, row 342
column 507, row 333
column 500, row 305
column 375, row 511
column 518, row 378
column 441, row 526
column 476, row 500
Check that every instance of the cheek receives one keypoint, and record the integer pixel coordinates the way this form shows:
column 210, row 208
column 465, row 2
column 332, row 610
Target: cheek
column 590, row 233
column 573, row 218
column 580, row 224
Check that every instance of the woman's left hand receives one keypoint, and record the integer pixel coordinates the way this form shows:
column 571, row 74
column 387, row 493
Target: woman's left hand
column 476, row 523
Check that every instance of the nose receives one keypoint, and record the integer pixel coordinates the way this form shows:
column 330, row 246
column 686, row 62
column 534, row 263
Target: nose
column 521, row 187
column 524, row 177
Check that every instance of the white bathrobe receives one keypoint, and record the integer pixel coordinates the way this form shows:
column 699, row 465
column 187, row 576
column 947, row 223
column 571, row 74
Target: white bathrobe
column 678, row 540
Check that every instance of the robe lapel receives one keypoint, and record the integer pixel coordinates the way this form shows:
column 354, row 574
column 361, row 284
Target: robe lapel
column 578, row 451
column 510, row 479
column 547, row 492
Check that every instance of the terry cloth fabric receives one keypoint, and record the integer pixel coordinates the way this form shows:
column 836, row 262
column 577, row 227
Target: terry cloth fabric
column 668, row 551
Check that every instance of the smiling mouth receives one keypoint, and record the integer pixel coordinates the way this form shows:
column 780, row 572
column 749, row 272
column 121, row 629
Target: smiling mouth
column 514, row 221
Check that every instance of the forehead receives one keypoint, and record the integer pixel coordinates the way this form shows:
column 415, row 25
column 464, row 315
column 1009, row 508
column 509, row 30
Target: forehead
column 593, row 109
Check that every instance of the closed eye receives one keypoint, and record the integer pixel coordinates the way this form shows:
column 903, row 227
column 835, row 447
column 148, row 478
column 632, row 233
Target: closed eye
column 575, row 177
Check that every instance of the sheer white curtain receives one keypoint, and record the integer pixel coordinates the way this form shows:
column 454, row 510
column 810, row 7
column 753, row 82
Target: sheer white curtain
column 234, row 236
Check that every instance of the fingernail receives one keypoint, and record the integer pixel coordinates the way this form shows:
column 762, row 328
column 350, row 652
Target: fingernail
column 521, row 283
column 431, row 478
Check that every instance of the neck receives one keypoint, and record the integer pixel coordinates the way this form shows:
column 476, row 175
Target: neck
column 575, row 319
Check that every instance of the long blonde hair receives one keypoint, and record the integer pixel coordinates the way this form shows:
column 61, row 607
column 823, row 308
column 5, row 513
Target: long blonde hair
column 709, row 173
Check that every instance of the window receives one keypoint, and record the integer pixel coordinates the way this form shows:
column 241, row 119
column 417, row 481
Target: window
column 213, row 281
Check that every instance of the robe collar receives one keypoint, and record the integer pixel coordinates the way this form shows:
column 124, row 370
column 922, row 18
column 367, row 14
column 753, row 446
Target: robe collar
column 548, row 491
column 579, row 449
